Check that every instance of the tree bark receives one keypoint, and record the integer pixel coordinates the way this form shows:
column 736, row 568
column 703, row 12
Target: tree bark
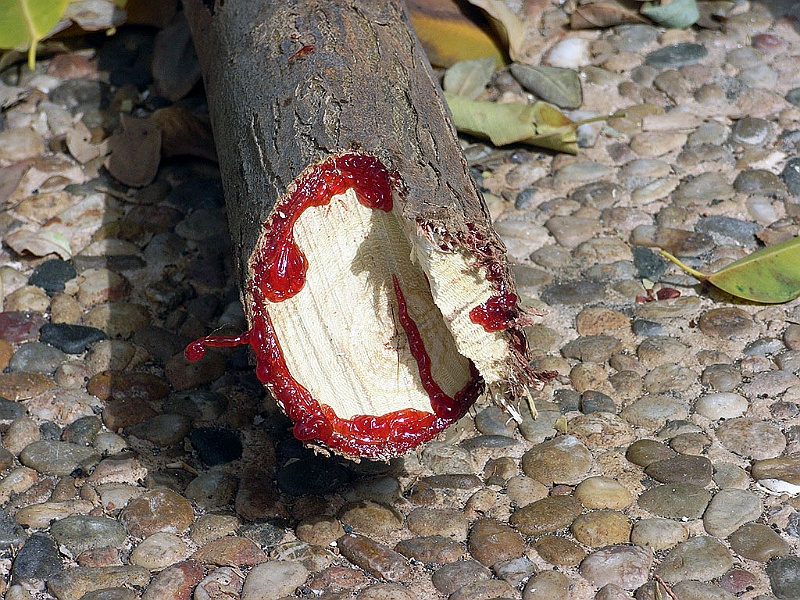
column 291, row 84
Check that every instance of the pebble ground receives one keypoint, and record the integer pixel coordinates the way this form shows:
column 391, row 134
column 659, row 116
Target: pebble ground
column 665, row 461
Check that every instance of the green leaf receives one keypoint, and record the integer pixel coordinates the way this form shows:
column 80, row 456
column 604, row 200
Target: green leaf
column 558, row 86
column 677, row 14
column 468, row 78
column 538, row 124
column 25, row 22
column 770, row 275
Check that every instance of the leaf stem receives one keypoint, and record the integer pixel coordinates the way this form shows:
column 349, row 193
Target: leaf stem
column 693, row 272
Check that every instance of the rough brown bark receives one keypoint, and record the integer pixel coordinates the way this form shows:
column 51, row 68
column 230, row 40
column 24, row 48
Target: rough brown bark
column 290, row 84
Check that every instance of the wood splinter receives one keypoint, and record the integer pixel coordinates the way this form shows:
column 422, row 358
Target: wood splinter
column 378, row 297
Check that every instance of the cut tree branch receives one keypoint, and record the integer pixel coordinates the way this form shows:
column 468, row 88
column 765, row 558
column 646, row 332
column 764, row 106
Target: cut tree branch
column 378, row 295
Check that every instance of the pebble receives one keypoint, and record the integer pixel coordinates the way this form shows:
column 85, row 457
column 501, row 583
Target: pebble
column 491, row 541
column 175, row 582
column 38, row 558
column 213, row 526
column 751, row 438
column 547, row 585
column 39, row 516
column 699, row 590
column 603, row 492
column 20, row 433
column 433, row 549
column 159, row 551
column 721, row 405
column 780, row 474
column 18, row 326
column 677, row 55
column 561, row 460
column 737, row 580
column 791, row 175
column 118, row 319
column 456, row 575
column 446, row 522
column 571, row 231
column 668, row 378
column 758, row 542
column 559, row 551
column 515, row 571
column 22, row 385
column 198, row 405
column 483, row 590
column 722, row 377
column 675, row 501
column 681, row 469
column 546, row 515
column 101, row 285
column 52, row 457
column 729, row 509
column 73, row 584
column 644, row 452
column 701, row 558
column 759, row 181
column 653, row 411
column 184, row 374
column 370, row 518
column 601, row 528
column 740, row 232
column 375, row 558
column 625, row 566
column 771, row 383
column 492, row 420
column 597, row 348
column 658, row 534
column 155, row 511
column 231, row 551
column 51, row 275
column 729, row 475
column 784, row 577
column 212, row 489
column 386, row 591
column 573, row 293
column 85, row 532
column 162, row 430
column 596, row 320
column 601, row 429
column 28, row 297
column 220, row 584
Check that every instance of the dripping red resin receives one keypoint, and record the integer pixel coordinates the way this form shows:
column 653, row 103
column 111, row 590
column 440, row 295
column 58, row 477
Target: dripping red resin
column 279, row 269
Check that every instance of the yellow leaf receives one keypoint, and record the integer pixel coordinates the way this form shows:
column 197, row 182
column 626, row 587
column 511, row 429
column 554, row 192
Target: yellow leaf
column 25, row 22
column 770, row 275
column 506, row 22
column 453, row 30
column 538, row 124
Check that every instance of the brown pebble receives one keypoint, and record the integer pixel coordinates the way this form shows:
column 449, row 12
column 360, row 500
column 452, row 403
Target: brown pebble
column 432, row 549
column 105, row 556
column 21, row 385
column 727, row 323
column 231, row 551
column 320, row 530
column 157, row 510
column 376, row 559
column 6, row 350
column 491, row 541
column 597, row 319
column 559, row 551
column 176, row 582
column 336, row 578
column 184, row 374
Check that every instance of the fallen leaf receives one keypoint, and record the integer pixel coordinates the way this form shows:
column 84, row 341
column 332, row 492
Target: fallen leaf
column 770, row 275
column 39, row 243
column 555, row 85
column 454, row 30
column 677, row 14
column 175, row 67
column 80, row 146
column 601, row 15
column 135, row 151
column 10, row 178
column 538, row 124
column 506, row 22
column 183, row 133
column 468, row 78
column 26, row 22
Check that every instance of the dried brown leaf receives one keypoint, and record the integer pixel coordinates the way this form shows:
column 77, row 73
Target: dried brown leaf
column 603, row 14
column 184, row 133
column 135, row 151
column 175, row 67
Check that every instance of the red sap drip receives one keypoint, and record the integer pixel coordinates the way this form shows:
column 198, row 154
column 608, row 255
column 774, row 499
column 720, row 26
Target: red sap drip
column 280, row 267
column 197, row 349
column 497, row 313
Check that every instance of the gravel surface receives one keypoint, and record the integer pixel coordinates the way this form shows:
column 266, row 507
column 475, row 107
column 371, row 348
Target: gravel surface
column 665, row 461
